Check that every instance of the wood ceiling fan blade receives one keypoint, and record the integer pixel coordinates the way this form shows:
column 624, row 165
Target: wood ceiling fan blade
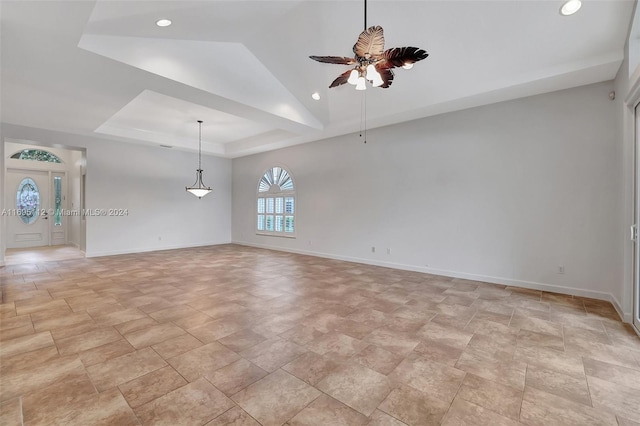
column 386, row 74
column 370, row 44
column 398, row 56
column 342, row 79
column 339, row 60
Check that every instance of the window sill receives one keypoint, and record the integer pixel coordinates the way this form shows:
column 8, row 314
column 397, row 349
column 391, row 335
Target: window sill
column 267, row 234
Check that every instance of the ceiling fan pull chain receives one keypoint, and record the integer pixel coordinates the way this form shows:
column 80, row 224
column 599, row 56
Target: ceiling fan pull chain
column 363, row 116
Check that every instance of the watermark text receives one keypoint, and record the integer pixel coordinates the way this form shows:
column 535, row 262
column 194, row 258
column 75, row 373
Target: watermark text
column 65, row 212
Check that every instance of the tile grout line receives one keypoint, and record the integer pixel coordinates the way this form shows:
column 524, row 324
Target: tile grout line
column 526, row 371
column 584, row 369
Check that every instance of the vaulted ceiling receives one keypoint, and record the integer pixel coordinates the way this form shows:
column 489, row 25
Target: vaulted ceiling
column 104, row 68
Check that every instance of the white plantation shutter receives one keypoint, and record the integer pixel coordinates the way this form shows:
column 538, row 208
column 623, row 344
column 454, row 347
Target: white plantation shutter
column 276, row 176
column 288, row 224
column 288, row 205
column 275, row 206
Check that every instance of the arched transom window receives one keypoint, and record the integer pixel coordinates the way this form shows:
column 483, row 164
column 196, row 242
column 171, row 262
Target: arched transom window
column 36, row 155
column 276, row 203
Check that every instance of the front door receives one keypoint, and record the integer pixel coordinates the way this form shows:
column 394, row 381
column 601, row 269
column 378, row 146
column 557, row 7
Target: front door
column 27, row 205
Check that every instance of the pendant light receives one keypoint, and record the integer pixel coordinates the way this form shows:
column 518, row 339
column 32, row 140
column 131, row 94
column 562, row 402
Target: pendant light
column 198, row 188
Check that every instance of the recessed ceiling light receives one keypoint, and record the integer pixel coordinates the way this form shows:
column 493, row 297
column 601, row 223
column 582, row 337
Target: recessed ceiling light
column 316, row 96
column 163, row 22
column 570, row 7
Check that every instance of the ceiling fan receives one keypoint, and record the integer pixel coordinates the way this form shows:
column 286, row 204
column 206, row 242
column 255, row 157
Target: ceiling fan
column 371, row 61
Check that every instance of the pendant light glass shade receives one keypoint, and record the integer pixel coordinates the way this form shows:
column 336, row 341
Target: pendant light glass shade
column 199, row 189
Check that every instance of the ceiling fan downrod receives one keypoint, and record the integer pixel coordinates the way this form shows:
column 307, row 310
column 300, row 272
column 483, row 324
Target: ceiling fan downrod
column 365, row 15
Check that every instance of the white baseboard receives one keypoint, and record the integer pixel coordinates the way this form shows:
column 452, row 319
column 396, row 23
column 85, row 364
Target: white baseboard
column 625, row 316
column 71, row 243
column 552, row 288
column 150, row 249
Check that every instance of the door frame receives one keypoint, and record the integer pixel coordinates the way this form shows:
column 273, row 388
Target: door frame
column 635, row 293
column 632, row 114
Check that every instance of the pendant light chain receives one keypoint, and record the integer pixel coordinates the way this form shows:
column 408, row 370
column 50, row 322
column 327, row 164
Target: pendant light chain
column 200, row 145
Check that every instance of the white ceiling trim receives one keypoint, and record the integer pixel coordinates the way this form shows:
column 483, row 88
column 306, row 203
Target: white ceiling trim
column 229, row 70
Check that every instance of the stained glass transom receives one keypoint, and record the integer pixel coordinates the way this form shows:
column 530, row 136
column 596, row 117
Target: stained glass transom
column 36, row 155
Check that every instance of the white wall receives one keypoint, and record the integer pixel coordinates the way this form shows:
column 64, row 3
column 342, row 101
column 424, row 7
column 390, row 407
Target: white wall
column 150, row 183
column 503, row 193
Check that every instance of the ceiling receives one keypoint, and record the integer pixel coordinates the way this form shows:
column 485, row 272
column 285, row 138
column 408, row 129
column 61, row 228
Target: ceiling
column 103, row 68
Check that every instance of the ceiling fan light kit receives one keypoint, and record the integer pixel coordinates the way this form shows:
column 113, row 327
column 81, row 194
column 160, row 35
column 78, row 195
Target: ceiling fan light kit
column 372, row 62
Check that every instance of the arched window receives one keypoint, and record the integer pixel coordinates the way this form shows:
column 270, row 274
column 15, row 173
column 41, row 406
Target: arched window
column 36, row 155
column 276, row 201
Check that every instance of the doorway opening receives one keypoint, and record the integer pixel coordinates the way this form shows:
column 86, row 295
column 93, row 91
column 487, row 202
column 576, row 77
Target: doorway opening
column 43, row 201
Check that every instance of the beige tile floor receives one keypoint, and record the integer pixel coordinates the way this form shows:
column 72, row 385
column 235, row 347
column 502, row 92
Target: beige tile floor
column 22, row 256
column 231, row 335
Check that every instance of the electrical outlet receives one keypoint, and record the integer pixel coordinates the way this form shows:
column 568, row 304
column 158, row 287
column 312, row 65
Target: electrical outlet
column 561, row 269
column 309, row 242
column 388, row 251
column 159, row 238
column 373, row 249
